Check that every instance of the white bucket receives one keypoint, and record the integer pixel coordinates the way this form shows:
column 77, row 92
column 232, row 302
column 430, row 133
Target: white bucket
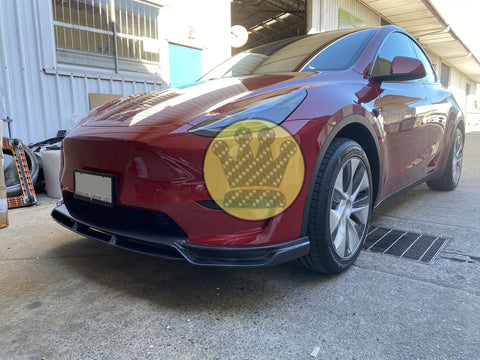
column 51, row 172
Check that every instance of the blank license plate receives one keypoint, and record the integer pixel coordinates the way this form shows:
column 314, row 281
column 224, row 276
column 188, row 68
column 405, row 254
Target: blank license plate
column 94, row 187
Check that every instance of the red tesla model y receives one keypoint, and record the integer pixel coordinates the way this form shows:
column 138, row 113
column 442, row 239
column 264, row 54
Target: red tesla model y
column 279, row 153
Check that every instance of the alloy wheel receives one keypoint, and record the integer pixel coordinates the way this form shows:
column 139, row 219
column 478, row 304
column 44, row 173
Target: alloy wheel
column 349, row 208
column 457, row 157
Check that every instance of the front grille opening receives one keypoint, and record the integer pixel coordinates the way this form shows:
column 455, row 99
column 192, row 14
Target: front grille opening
column 128, row 219
column 420, row 247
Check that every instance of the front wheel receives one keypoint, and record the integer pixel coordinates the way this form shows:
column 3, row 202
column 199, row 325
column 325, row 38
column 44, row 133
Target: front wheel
column 340, row 208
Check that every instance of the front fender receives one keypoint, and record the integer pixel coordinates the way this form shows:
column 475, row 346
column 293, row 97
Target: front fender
column 357, row 128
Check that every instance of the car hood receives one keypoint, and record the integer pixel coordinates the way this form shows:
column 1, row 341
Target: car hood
column 174, row 108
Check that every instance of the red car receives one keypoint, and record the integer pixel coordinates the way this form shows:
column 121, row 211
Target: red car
column 279, row 153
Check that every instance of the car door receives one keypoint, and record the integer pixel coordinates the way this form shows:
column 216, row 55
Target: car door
column 444, row 111
column 403, row 107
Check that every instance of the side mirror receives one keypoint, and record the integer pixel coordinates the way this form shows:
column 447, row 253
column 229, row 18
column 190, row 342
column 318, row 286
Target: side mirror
column 403, row 68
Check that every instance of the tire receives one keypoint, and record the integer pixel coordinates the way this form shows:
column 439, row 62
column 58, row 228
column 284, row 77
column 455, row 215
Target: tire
column 13, row 187
column 340, row 209
column 450, row 177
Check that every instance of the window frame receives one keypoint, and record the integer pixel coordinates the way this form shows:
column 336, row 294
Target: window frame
column 368, row 35
column 69, row 56
column 417, row 46
column 412, row 43
column 442, row 66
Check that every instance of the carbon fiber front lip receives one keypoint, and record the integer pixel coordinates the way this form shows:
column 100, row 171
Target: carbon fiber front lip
column 176, row 246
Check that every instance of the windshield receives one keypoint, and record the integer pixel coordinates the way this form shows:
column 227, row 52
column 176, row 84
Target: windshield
column 333, row 50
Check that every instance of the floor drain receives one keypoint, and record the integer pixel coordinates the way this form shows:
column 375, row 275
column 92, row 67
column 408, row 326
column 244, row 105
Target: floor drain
column 420, row 247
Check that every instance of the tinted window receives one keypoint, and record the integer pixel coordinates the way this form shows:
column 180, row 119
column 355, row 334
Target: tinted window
column 397, row 44
column 342, row 53
column 426, row 64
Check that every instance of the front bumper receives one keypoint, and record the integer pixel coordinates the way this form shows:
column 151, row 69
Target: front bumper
column 157, row 234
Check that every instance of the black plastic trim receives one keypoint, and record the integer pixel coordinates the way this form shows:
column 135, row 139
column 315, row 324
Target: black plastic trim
column 403, row 190
column 246, row 256
column 209, row 204
column 109, row 232
column 396, row 77
column 175, row 246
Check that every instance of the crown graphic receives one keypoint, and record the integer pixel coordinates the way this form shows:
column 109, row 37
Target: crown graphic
column 254, row 179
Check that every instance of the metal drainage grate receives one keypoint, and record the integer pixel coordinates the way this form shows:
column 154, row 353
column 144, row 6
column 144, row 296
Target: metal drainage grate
column 420, row 247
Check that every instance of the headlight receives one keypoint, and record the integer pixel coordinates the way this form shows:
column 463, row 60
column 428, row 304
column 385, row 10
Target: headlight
column 275, row 109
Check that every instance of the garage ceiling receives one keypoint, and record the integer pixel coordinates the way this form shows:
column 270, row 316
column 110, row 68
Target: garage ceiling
column 268, row 20
column 423, row 21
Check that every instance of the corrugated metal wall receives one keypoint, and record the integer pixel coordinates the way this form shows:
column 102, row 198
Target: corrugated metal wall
column 457, row 85
column 330, row 12
column 38, row 95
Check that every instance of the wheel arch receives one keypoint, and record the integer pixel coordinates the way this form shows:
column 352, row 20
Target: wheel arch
column 359, row 129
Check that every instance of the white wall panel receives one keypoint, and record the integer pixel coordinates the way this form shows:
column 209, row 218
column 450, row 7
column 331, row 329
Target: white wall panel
column 38, row 95
column 43, row 97
column 330, row 10
column 457, row 85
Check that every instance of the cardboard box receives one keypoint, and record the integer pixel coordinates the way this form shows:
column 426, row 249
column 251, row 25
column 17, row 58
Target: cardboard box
column 97, row 100
column 3, row 192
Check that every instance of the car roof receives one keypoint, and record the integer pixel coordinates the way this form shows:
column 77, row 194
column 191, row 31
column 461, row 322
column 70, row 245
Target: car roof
column 326, row 36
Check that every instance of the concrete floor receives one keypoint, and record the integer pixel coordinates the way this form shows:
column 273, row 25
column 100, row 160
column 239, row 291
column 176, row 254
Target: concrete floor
column 66, row 297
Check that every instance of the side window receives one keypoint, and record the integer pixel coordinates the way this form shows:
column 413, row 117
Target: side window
column 342, row 53
column 397, row 44
column 431, row 77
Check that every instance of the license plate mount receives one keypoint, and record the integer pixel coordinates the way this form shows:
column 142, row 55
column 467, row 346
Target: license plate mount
column 94, row 187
